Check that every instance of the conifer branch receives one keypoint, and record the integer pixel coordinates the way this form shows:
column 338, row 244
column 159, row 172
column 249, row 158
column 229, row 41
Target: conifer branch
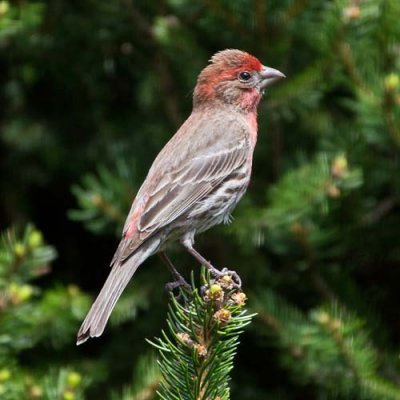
column 198, row 349
column 326, row 345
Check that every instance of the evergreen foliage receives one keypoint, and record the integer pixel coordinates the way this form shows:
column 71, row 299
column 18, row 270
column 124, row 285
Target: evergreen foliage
column 328, row 347
column 91, row 91
column 102, row 199
column 198, row 351
column 145, row 381
column 30, row 318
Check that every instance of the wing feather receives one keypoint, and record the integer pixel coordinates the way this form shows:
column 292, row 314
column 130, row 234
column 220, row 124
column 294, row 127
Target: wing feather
column 185, row 189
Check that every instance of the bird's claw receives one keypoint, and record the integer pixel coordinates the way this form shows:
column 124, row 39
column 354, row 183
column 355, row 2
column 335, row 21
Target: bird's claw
column 235, row 281
column 177, row 284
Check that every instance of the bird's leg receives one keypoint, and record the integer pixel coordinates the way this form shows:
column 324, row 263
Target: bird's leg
column 214, row 271
column 179, row 280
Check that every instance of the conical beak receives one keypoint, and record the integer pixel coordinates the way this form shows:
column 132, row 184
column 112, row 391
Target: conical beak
column 270, row 76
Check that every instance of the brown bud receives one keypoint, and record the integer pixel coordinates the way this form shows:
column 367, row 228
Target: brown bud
column 97, row 200
column 200, row 349
column 335, row 324
column 351, row 12
column 298, row 229
column 223, row 315
column 296, row 351
column 239, row 298
column 185, row 339
column 214, row 293
column 333, row 191
column 36, row 392
column 339, row 166
column 323, row 318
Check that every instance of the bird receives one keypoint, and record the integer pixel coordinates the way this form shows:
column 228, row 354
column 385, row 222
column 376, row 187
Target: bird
column 196, row 180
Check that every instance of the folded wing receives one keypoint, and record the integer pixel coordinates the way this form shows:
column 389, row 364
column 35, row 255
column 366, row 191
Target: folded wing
column 177, row 192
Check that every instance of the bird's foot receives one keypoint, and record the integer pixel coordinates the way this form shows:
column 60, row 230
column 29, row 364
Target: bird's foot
column 178, row 283
column 226, row 278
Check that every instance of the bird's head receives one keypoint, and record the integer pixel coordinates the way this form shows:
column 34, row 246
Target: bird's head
column 234, row 77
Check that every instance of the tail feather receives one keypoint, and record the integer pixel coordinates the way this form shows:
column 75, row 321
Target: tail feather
column 100, row 312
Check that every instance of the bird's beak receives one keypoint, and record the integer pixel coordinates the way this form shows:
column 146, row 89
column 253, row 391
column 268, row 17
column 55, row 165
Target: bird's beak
column 269, row 76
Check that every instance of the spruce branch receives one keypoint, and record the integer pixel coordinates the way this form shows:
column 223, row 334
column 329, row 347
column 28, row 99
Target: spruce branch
column 23, row 255
column 30, row 315
column 198, row 349
column 328, row 346
column 145, row 380
column 103, row 198
column 300, row 200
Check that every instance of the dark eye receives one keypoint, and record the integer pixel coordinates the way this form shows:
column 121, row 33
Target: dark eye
column 244, row 76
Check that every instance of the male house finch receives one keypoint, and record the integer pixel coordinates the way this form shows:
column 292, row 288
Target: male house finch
column 196, row 180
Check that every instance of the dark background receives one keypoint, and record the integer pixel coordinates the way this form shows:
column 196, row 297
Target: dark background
column 90, row 91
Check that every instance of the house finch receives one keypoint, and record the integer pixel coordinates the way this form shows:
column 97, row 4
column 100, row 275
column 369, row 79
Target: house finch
column 196, row 180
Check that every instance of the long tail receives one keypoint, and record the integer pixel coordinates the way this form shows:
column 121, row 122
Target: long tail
column 100, row 312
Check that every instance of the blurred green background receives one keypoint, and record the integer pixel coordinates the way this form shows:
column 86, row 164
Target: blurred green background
column 90, row 91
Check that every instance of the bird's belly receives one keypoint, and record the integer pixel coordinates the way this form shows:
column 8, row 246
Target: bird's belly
column 218, row 205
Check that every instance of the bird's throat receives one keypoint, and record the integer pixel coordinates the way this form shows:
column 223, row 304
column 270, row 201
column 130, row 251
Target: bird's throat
column 249, row 100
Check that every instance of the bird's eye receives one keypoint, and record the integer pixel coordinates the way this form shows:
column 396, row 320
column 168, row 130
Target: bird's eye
column 244, row 76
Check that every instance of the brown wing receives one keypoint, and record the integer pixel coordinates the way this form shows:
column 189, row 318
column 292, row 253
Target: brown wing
column 178, row 191
column 182, row 189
